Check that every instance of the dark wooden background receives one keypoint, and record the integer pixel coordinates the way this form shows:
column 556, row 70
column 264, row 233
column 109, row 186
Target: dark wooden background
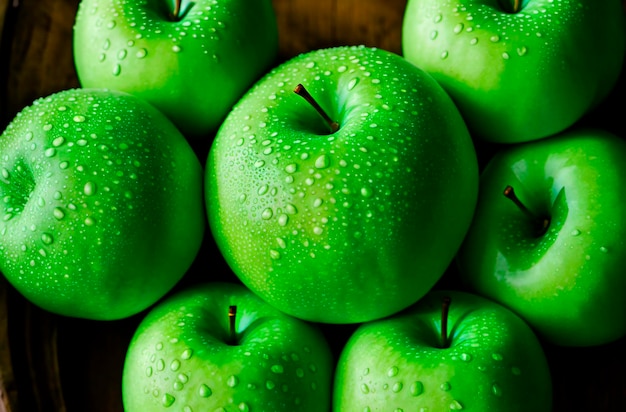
column 52, row 363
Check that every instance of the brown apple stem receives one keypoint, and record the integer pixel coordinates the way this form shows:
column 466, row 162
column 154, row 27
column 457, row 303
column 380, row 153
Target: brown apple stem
column 541, row 222
column 511, row 6
column 300, row 90
column 232, row 318
column 445, row 309
column 175, row 14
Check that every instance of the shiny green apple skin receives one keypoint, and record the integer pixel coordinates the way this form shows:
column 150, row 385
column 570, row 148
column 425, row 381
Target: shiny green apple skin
column 494, row 362
column 569, row 282
column 101, row 204
column 181, row 356
column 348, row 226
column 518, row 76
column 193, row 69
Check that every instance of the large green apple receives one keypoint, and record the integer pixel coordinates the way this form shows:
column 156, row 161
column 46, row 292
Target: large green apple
column 555, row 250
column 101, row 206
column 518, row 70
column 469, row 354
column 191, row 59
column 350, row 218
column 219, row 347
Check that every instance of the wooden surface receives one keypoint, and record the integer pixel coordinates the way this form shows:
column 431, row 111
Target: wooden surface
column 51, row 363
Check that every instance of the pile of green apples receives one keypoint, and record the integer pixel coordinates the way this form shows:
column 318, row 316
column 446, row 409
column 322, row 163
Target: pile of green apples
column 343, row 187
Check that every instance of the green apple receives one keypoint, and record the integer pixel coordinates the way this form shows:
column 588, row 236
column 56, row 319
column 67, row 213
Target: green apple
column 347, row 200
column 519, row 70
column 487, row 360
column 191, row 59
column 101, row 206
column 219, row 347
column 554, row 251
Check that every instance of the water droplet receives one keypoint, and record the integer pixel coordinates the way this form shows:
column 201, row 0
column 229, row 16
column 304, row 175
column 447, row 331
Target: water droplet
column 497, row 356
column 50, row 152
column 322, row 162
column 393, row 371
column 175, row 365
column 397, row 387
column 417, row 388
column 259, row 163
column 176, row 48
column 149, row 371
column 58, row 141
column 111, row 24
column 187, row 353
column 102, row 57
column 106, row 45
column 263, row 189
column 342, row 69
column 270, row 385
column 474, row 41
column 434, row 34
column 291, row 168
column 521, row 51
column 575, row 232
column 121, row 55
column 495, row 38
column 283, row 219
column 58, row 213
column 444, row 55
column 458, row 28
column 445, row 386
column 318, row 230
column 267, row 214
column 167, row 400
column 496, row 389
column 141, row 53
column 455, row 405
column 352, row 84
column 277, row 369
column 505, row 56
column 204, row 391
column 274, row 254
column 46, row 238
column 117, row 69
column 365, row 388
column 603, row 249
column 89, row 189
column 438, row 18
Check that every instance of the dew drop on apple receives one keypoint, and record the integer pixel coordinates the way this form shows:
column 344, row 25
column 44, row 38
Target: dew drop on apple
column 434, row 34
column 204, row 391
column 456, row 405
column 416, row 388
column 141, row 53
column 117, row 70
column 352, row 84
column 58, row 213
column 121, row 55
column 47, row 238
column 149, row 371
column 364, row 388
column 168, row 400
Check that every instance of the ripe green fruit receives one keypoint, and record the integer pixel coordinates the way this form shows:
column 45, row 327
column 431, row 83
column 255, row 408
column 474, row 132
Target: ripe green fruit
column 557, row 257
column 219, row 347
column 474, row 355
column 101, row 205
column 346, row 219
column 190, row 59
column 518, row 70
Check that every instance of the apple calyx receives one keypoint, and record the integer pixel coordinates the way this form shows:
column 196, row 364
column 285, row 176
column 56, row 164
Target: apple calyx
column 541, row 223
column 300, row 90
column 512, row 6
column 232, row 318
column 179, row 13
column 445, row 309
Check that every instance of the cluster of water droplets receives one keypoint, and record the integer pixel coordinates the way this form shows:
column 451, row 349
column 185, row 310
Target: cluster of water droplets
column 178, row 376
column 483, row 24
column 65, row 176
column 129, row 30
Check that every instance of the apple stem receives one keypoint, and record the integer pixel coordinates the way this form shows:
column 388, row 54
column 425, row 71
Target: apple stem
column 178, row 13
column 445, row 309
column 232, row 317
column 300, row 90
column 542, row 222
column 511, row 6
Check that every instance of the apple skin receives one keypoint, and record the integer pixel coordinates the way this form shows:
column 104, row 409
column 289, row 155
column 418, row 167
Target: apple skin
column 102, row 211
column 569, row 282
column 181, row 357
column 193, row 70
column 494, row 361
column 349, row 226
column 518, row 76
